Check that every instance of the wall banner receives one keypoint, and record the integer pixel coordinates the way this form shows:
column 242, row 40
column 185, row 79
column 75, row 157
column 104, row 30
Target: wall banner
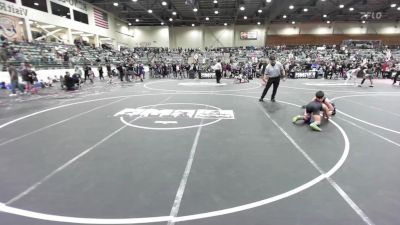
column 248, row 35
column 10, row 27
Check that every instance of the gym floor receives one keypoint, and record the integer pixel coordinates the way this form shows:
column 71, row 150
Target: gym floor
column 203, row 154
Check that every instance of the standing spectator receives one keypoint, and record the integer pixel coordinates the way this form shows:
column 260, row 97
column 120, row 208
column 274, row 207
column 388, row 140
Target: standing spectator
column 101, row 77
column 91, row 74
column 164, row 70
column 86, row 72
column 141, row 71
column 174, row 70
column 397, row 74
column 108, row 66
column 272, row 75
column 121, row 72
column 14, row 80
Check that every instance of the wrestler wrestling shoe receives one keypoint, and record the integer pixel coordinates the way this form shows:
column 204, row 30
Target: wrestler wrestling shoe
column 315, row 127
column 296, row 118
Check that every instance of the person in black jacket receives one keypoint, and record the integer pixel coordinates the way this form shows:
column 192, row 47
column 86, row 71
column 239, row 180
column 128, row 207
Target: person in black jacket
column 69, row 82
column 86, row 72
column 101, row 77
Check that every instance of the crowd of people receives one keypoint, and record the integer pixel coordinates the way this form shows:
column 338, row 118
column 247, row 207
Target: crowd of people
column 329, row 62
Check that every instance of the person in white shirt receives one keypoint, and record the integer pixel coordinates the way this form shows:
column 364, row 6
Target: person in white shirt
column 272, row 76
column 218, row 71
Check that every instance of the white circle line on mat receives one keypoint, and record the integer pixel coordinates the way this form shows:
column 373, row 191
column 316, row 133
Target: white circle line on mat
column 363, row 121
column 67, row 219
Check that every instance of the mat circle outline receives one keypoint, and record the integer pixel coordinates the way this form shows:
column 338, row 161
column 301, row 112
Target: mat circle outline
column 67, row 219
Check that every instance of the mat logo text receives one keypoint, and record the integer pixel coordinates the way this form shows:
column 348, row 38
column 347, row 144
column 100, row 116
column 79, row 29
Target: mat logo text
column 177, row 113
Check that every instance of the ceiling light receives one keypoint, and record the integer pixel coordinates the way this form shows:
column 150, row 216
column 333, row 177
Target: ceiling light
column 137, row 20
column 393, row 5
column 242, row 8
column 398, row 8
column 195, row 10
column 115, row 4
column 225, row 24
column 162, row 23
column 216, row 12
column 291, row 7
column 284, row 16
column 164, row 3
column 215, row 1
column 351, row 9
column 174, row 13
column 130, row 24
column 341, row 6
column 293, row 22
column 363, row 21
column 325, row 16
column 170, row 19
column 328, row 22
column 193, row 25
column 258, row 23
column 245, row 17
column 260, row 11
column 305, row 10
column 134, row 0
column 36, row 3
column 150, row 11
column 207, row 18
column 268, row 1
column 322, row 0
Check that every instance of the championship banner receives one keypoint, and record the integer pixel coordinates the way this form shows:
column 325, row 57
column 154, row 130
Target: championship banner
column 248, row 35
column 10, row 28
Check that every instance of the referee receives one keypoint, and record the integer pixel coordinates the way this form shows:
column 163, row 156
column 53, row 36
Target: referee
column 272, row 75
column 218, row 70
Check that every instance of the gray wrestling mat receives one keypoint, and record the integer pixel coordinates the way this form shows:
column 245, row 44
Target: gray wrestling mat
column 191, row 152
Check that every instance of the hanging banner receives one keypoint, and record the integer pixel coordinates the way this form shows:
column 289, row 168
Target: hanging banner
column 248, row 35
column 10, row 28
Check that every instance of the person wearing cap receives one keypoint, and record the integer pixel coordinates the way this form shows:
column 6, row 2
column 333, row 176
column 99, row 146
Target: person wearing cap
column 272, row 76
